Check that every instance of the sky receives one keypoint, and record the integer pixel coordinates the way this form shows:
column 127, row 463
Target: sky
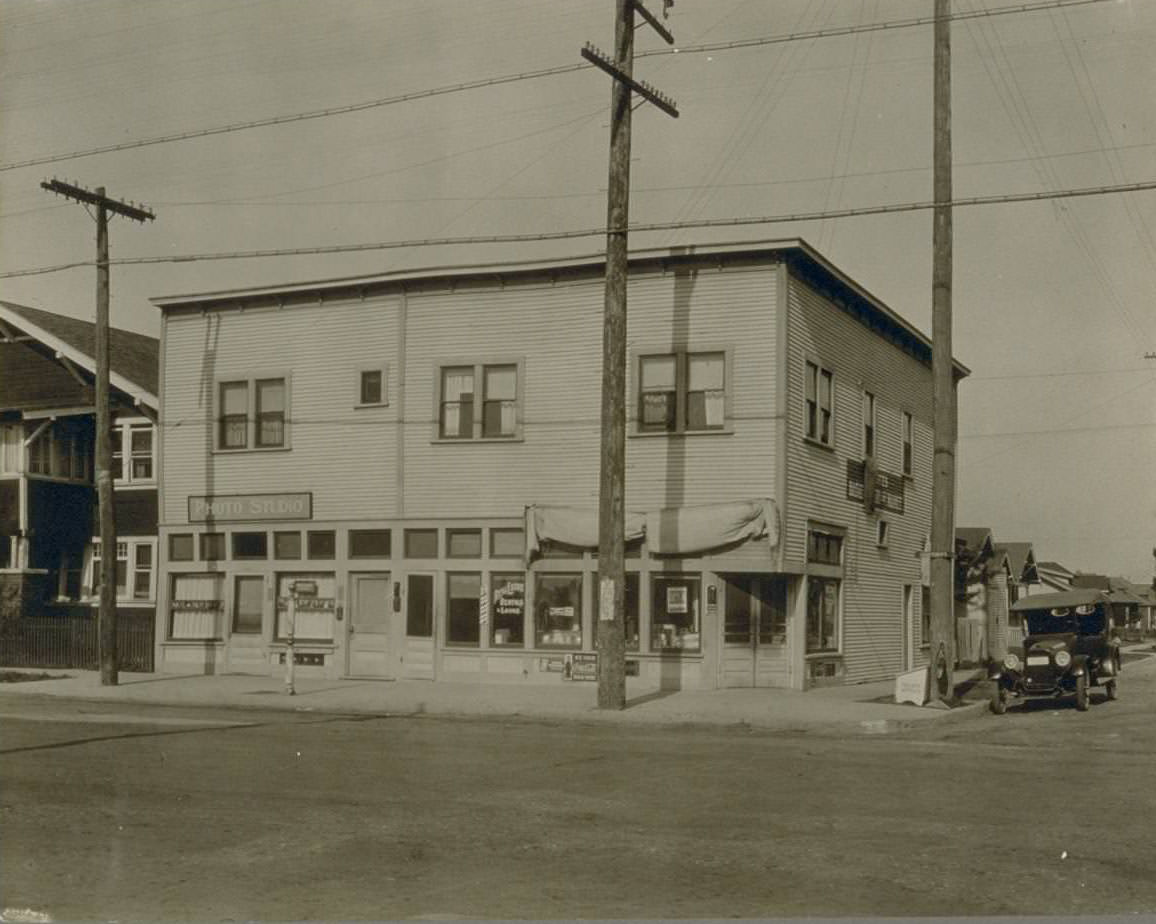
column 1052, row 300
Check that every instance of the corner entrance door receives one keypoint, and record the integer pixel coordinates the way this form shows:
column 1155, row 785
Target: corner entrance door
column 374, row 649
column 419, row 627
column 754, row 650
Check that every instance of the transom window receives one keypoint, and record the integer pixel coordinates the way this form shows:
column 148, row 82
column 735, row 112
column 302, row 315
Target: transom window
column 681, row 392
column 253, row 414
column 819, row 386
column 464, row 415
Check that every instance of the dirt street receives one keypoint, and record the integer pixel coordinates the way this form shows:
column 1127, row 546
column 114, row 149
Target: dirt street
column 147, row 813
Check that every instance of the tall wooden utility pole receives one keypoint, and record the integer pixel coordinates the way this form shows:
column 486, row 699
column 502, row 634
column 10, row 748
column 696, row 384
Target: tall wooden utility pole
column 612, row 479
column 107, row 618
column 943, row 479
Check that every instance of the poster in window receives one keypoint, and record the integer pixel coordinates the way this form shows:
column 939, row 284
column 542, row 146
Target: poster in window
column 676, row 599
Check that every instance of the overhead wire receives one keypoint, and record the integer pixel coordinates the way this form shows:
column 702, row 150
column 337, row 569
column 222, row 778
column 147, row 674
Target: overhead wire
column 520, row 76
column 597, row 232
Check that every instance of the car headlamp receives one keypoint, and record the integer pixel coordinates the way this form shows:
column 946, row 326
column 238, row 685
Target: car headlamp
column 1011, row 662
column 1063, row 658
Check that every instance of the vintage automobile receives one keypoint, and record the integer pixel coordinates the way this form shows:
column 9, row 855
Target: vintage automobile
column 1069, row 646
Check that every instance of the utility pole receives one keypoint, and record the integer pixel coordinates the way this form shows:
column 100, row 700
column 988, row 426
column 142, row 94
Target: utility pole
column 942, row 661
column 610, row 631
column 107, row 612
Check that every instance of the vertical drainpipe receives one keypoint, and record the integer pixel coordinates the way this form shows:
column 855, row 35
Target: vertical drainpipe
column 402, row 317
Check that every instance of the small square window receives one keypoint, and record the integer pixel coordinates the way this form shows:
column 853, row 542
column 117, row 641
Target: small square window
column 372, row 386
column 421, row 543
column 250, row 546
column 464, row 543
column 181, row 547
column 322, row 544
column 287, row 546
column 212, row 546
column 370, row 543
column 507, row 543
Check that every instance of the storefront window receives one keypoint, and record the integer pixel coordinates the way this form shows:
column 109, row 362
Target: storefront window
column 630, row 604
column 250, row 546
column 196, row 605
column 421, row 543
column 464, row 612
column 507, row 543
column 181, row 547
column 822, row 614
column 464, row 543
column 507, row 610
column 314, row 616
column 674, row 612
column 322, row 544
column 369, row 543
column 212, row 546
column 558, row 610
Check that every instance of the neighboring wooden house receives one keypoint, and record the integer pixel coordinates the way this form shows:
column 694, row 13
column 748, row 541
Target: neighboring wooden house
column 1053, row 577
column 47, row 494
column 1127, row 606
column 424, row 448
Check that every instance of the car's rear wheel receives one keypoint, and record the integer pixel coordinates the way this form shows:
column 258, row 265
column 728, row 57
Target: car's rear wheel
column 1082, row 692
column 999, row 701
column 1110, row 689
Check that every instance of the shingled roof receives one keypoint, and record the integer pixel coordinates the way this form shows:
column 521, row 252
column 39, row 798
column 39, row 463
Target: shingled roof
column 133, row 357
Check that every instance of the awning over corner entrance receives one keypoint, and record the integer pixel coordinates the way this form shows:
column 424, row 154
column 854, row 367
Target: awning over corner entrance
column 671, row 531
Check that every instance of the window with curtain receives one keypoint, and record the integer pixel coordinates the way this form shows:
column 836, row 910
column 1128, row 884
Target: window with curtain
column 657, row 393
column 500, row 401
column 457, row 410
column 270, row 412
column 234, row 416
column 705, row 391
column 818, row 392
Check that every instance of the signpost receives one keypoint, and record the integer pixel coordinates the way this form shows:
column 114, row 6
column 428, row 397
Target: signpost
column 296, row 589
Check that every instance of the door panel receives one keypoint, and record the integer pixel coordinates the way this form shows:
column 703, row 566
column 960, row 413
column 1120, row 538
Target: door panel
column 419, row 627
column 373, row 647
column 754, row 650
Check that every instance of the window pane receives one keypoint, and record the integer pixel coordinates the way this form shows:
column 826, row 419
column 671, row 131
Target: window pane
column 250, row 545
column 322, row 544
column 370, row 543
column 142, row 440
column 271, row 412
column 457, row 421
column 465, row 591
column 657, row 393
column 822, row 614
column 501, row 393
column 674, row 612
column 706, row 394
column 630, row 609
column 507, row 610
column 248, row 606
column 507, row 543
column 658, row 372
column 212, row 547
column 196, row 605
column 287, row 546
column 558, row 610
column 501, row 383
column 421, row 543
column 144, row 557
column 371, row 387
column 181, row 547
column 234, row 415
column 464, row 543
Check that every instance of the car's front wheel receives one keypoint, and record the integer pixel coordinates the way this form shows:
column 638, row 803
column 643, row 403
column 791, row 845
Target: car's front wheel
column 1082, row 692
column 999, row 701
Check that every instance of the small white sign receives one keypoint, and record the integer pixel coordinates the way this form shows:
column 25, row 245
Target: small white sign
column 676, row 599
column 911, row 687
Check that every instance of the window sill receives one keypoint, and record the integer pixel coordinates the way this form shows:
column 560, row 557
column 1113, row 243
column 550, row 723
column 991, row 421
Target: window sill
column 472, row 441
column 190, row 642
column 373, row 404
column 652, row 434
column 811, row 441
column 247, row 450
column 823, row 655
column 142, row 483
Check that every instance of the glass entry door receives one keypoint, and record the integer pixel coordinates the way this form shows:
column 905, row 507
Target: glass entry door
column 420, row 626
column 754, row 650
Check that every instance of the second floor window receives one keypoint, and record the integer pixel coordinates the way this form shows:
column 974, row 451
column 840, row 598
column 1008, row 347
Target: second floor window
column 133, row 443
column 252, row 414
column 868, row 424
column 819, row 387
column 681, row 392
column 907, row 443
column 463, row 415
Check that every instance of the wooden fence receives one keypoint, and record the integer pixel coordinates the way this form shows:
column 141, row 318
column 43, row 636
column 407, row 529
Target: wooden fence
column 72, row 640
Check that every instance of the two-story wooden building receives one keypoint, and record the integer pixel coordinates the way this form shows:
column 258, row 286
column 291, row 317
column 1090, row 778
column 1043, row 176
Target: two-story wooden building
column 47, row 441
column 424, row 448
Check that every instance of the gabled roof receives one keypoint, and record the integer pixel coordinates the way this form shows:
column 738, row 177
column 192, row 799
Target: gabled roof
column 1054, row 566
column 132, row 358
column 1118, row 588
column 1021, row 560
column 976, row 539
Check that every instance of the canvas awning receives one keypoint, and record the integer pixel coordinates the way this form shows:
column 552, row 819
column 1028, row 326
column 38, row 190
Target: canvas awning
column 671, row 531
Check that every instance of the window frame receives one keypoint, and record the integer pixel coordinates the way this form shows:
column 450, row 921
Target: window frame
column 869, row 407
column 682, row 355
column 252, row 409
column 812, row 424
column 359, row 386
column 478, row 597
column 127, row 594
column 122, row 437
column 478, row 367
column 824, row 581
column 907, row 439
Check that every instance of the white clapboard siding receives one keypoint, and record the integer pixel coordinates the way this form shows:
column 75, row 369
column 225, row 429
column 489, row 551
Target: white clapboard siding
column 556, row 331
column 872, row 626
column 345, row 455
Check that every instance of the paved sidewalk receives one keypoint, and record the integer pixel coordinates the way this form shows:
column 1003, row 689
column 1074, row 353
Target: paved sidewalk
column 859, row 709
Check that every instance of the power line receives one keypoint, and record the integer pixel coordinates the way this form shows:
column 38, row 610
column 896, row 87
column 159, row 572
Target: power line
column 598, row 232
column 829, row 32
